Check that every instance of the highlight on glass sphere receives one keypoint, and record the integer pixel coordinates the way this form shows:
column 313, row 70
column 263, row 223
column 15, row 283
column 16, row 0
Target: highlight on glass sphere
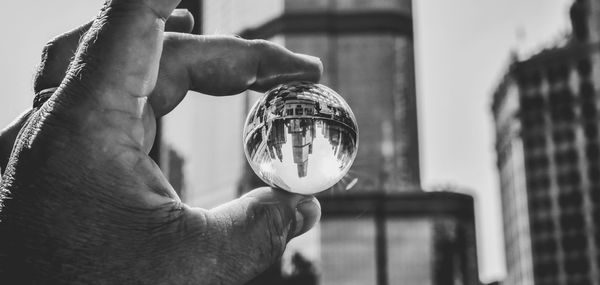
column 301, row 137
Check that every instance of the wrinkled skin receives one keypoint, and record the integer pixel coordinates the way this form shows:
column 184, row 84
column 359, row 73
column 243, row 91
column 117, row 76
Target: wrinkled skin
column 82, row 201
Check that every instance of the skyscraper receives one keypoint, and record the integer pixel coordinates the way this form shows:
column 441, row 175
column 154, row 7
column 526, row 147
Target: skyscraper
column 385, row 230
column 546, row 118
column 367, row 51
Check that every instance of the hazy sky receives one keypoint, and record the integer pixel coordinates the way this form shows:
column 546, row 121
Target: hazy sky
column 462, row 48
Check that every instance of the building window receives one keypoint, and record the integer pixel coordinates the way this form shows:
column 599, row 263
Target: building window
column 544, row 182
column 533, row 79
column 533, row 119
column 547, row 269
column 552, row 74
column 535, row 141
column 586, row 91
column 563, row 136
column 543, row 226
column 597, row 236
column 574, row 177
column 532, row 103
column 564, row 114
column 579, row 280
column 537, row 163
column 595, row 194
column 571, row 199
column 536, row 79
column 545, row 246
column 570, row 178
column 590, row 130
column 584, row 67
column 592, row 152
column 594, row 173
column 577, row 265
column 569, row 222
column 561, row 105
column 563, row 72
column 540, row 204
column 588, row 110
column 566, row 157
column 561, row 98
column 532, row 183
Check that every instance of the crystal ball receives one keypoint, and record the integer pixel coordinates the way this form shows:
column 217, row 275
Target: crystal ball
column 301, row 137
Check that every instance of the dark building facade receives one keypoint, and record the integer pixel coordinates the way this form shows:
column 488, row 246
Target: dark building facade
column 385, row 230
column 546, row 118
column 367, row 51
column 400, row 238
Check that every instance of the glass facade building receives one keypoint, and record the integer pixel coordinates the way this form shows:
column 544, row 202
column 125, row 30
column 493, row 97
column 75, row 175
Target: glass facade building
column 386, row 229
column 546, row 115
column 402, row 238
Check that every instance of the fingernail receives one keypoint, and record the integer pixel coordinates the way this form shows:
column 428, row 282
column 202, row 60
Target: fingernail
column 313, row 65
column 180, row 12
column 308, row 213
column 310, row 58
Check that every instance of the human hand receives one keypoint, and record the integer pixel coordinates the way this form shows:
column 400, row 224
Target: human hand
column 87, row 204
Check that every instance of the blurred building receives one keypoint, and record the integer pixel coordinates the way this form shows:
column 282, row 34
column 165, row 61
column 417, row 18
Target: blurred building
column 546, row 119
column 400, row 238
column 385, row 230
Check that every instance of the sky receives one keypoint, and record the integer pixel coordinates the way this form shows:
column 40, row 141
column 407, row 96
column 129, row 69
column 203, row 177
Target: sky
column 462, row 49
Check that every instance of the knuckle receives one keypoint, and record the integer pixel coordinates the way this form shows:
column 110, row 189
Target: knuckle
column 128, row 8
column 50, row 71
column 197, row 219
column 261, row 45
column 50, row 50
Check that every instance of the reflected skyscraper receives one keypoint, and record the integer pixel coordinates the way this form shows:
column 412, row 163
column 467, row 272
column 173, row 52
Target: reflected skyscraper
column 294, row 111
column 302, row 143
column 277, row 139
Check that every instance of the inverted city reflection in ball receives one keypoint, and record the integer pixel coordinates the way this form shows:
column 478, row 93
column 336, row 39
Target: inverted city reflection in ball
column 301, row 137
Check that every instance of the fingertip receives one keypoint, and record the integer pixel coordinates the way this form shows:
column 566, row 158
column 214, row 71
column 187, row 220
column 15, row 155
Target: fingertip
column 180, row 12
column 315, row 65
column 307, row 209
column 308, row 213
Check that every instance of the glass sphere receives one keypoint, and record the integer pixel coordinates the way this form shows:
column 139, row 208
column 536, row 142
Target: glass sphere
column 301, row 137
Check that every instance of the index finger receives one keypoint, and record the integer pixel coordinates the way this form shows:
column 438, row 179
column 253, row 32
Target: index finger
column 225, row 65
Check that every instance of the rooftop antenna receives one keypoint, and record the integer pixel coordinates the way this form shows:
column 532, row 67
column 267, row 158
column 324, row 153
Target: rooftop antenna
column 520, row 38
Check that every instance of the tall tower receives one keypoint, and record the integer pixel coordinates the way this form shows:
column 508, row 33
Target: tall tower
column 547, row 120
column 367, row 51
column 385, row 230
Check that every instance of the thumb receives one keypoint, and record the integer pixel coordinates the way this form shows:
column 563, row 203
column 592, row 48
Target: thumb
column 257, row 227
